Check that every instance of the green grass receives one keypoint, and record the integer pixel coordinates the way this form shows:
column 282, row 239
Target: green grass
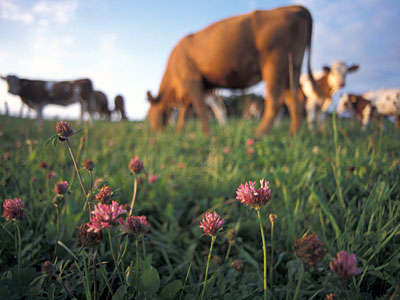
column 346, row 191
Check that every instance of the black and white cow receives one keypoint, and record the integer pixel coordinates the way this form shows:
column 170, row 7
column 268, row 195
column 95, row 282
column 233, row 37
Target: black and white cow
column 38, row 93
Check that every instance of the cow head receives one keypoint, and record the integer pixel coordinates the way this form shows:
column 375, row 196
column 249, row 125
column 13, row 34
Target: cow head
column 337, row 74
column 14, row 84
column 156, row 115
column 345, row 104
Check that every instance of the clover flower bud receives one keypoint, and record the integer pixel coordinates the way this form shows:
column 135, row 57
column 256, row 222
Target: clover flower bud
column 272, row 218
column 61, row 187
column 104, row 195
column 135, row 225
column 237, row 265
column 64, row 129
column 310, row 249
column 48, row 268
column 89, row 164
column 88, row 238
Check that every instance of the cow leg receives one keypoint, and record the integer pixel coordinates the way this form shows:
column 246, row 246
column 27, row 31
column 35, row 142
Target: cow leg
column 396, row 121
column 93, row 108
column 182, row 117
column 274, row 86
column 311, row 109
column 195, row 92
column 295, row 110
column 217, row 108
column 39, row 114
column 380, row 121
column 83, row 108
column 279, row 117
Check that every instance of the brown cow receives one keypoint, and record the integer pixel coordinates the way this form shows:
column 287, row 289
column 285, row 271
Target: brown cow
column 119, row 106
column 237, row 53
column 38, row 93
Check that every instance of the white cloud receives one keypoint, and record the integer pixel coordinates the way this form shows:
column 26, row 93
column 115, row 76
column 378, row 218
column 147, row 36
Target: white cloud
column 10, row 11
column 44, row 12
column 59, row 12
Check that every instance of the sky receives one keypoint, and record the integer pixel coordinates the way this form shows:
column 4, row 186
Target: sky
column 123, row 46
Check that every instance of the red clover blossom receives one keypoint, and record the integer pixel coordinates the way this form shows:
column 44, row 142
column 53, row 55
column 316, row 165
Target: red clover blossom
column 105, row 216
column 253, row 197
column 211, row 223
column 136, row 165
column 345, row 266
column 13, row 209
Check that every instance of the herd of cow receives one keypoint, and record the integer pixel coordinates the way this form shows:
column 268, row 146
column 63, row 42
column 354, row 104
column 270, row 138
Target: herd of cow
column 234, row 53
column 38, row 93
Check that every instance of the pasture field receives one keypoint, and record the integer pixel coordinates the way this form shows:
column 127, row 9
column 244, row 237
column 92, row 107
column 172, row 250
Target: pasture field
column 342, row 184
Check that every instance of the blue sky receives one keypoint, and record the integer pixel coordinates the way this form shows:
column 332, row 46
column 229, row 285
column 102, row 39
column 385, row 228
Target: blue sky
column 123, row 46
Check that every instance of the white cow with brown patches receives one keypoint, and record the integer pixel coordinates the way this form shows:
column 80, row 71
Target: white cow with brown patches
column 329, row 81
column 357, row 106
column 379, row 103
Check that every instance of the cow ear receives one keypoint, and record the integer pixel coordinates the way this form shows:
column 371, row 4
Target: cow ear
column 151, row 99
column 326, row 69
column 353, row 99
column 353, row 68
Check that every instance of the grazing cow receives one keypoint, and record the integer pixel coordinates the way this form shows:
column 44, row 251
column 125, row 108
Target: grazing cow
column 100, row 105
column 237, row 53
column 329, row 81
column 119, row 106
column 38, row 93
column 385, row 102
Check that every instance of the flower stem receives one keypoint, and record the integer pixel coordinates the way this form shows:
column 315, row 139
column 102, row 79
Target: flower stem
column 91, row 180
column 144, row 248
column 19, row 258
column 208, row 263
column 184, row 283
column 272, row 256
column 59, row 280
column 228, row 251
column 57, row 233
column 76, row 166
column 113, row 254
column 296, row 293
column 137, row 267
column 134, row 196
column 94, row 275
column 264, row 252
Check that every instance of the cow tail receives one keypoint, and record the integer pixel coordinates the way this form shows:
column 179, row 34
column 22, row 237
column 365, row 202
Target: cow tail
column 308, row 46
